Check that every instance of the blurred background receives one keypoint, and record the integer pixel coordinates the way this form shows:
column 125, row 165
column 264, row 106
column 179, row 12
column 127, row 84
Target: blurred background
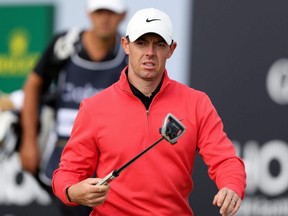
column 236, row 51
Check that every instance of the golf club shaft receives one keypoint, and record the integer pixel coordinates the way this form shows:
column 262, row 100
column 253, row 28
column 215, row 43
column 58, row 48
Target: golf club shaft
column 139, row 155
column 111, row 176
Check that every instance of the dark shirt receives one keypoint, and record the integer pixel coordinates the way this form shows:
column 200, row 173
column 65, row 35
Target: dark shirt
column 145, row 100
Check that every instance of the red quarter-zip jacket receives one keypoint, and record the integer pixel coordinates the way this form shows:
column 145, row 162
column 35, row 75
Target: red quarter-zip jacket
column 113, row 126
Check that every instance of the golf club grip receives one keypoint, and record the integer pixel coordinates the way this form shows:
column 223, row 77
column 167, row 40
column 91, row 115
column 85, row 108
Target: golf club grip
column 108, row 178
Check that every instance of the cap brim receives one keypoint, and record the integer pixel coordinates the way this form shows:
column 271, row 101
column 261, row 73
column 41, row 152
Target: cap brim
column 136, row 34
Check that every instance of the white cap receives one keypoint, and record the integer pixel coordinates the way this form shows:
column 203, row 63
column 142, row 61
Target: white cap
column 117, row 6
column 150, row 20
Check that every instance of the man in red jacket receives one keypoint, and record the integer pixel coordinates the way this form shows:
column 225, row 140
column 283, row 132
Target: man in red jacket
column 124, row 119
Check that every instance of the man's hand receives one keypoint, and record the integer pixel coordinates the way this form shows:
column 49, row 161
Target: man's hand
column 228, row 201
column 87, row 193
column 30, row 157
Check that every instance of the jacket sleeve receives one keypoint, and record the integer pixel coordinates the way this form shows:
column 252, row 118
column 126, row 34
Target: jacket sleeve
column 225, row 168
column 79, row 156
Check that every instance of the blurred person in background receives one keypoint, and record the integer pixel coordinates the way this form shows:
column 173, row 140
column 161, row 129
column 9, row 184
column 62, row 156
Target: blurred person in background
column 124, row 119
column 75, row 65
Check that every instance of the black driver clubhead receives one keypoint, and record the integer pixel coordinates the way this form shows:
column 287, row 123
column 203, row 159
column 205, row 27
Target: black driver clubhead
column 172, row 129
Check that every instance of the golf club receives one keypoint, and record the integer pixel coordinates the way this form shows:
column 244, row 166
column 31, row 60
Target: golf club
column 171, row 130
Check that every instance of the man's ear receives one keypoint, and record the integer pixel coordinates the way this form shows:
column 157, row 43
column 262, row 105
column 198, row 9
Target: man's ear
column 123, row 16
column 125, row 43
column 172, row 48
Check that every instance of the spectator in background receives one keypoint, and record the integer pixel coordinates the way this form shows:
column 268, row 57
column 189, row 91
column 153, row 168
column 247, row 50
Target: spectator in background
column 124, row 119
column 75, row 65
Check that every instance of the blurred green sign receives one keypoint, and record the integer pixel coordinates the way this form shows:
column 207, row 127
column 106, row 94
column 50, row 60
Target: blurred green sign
column 25, row 31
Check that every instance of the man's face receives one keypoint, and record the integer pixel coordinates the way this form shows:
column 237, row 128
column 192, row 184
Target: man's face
column 105, row 22
column 147, row 56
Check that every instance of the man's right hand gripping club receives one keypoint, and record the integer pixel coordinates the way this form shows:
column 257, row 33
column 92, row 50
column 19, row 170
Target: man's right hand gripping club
column 87, row 192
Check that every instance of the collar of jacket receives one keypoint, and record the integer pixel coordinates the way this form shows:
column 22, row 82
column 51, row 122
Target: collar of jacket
column 124, row 84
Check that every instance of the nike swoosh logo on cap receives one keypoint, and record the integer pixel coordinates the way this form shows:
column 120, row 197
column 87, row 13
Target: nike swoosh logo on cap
column 151, row 20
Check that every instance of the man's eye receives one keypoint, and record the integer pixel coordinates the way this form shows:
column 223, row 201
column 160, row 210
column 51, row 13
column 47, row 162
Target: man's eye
column 162, row 44
column 140, row 42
